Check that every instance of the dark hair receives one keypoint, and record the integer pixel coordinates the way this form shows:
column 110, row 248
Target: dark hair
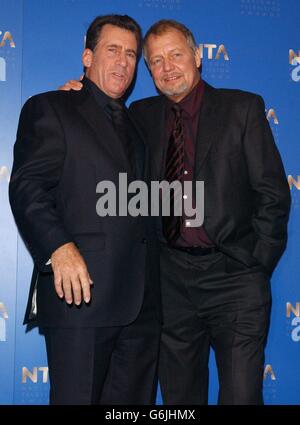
column 122, row 21
column 165, row 25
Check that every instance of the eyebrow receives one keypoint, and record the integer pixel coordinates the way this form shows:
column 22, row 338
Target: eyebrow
column 171, row 51
column 156, row 56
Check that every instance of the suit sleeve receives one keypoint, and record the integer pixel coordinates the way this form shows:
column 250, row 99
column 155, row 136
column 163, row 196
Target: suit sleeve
column 270, row 186
column 39, row 154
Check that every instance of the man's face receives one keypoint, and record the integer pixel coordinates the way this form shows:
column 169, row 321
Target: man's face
column 111, row 65
column 173, row 64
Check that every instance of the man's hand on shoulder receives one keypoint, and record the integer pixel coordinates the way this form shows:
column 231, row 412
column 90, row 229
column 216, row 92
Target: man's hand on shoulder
column 72, row 85
column 71, row 277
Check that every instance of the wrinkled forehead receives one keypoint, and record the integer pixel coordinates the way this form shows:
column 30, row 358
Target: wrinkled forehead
column 169, row 35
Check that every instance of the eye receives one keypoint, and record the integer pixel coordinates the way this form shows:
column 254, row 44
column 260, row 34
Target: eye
column 112, row 49
column 156, row 62
column 177, row 55
column 131, row 55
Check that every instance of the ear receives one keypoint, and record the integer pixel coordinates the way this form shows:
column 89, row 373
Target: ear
column 198, row 57
column 87, row 58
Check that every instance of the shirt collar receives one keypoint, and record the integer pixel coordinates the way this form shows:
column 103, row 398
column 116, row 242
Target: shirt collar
column 102, row 98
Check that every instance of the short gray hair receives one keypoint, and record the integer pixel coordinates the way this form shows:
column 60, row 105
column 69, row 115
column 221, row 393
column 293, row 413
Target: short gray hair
column 165, row 25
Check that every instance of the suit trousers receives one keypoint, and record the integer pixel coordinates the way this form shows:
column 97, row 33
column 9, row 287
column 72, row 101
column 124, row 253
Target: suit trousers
column 212, row 301
column 105, row 365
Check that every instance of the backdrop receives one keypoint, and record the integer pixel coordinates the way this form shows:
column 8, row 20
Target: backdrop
column 248, row 44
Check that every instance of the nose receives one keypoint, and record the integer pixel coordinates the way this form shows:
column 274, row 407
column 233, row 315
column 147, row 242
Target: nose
column 167, row 65
column 122, row 59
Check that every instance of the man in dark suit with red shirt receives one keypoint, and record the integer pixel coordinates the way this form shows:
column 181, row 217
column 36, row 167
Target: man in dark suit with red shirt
column 215, row 278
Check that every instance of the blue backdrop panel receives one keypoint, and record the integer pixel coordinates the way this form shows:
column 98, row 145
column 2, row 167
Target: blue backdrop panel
column 10, row 101
column 247, row 44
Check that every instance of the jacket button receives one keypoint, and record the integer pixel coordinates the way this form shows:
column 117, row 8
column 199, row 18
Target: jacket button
column 144, row 240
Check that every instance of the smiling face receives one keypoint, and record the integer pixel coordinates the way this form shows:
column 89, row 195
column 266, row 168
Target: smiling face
column 173, row 64
column 111, row 65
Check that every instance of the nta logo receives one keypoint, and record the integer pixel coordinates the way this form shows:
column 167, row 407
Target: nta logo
column 7, row 37
column 290, row 309
column 271, row 115
column 292, row 182
column 269, row 371
column 3, row 318
column 294, row 60
column 2, row 69
column 34, row 374
column 210, row 47
column 4, row 173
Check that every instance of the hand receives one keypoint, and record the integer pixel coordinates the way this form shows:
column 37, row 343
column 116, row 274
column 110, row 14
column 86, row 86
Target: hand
column 71, row 277
column 72, row 85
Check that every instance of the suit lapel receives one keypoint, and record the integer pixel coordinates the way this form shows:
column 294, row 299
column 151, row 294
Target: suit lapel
column 104, row 131
column 208, row 129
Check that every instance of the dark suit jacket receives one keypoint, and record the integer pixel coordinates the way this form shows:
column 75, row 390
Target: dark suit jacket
column 65, row 145
column 247, row 198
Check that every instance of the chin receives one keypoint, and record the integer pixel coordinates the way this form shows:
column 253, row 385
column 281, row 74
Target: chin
column 179, row 91
column 119, row 91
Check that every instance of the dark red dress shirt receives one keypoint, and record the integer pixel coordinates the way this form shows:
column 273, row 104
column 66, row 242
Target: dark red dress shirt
column 191, row 109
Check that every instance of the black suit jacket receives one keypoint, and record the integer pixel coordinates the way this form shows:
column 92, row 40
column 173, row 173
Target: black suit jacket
column 247, row 198
column 65, row 145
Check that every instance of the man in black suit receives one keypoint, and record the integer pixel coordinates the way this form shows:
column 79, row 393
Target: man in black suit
column 215, row 278
column 94, row 283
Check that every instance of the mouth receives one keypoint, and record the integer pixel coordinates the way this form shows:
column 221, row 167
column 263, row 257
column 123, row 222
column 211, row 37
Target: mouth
column 118, row 75
column 171, row 78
